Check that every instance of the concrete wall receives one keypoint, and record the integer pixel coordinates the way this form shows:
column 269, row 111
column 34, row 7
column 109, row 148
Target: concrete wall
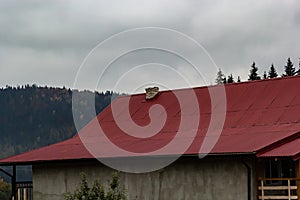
column 188, row 178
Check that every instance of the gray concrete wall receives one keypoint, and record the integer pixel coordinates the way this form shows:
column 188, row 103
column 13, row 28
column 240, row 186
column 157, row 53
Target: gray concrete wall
column 188, row 178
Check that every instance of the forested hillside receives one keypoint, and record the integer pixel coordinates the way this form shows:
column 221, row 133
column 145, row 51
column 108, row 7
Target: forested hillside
column 33, row 116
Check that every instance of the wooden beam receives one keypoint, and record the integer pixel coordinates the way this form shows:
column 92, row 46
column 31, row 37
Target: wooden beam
column 6, row 173
column 14, row 182
column 277, row 187
column 278, row 197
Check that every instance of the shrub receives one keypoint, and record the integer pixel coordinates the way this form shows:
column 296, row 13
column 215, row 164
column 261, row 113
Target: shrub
column 98, row 191
column 5, row 190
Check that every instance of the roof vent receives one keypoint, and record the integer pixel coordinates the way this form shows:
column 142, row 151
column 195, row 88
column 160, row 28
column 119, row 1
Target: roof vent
column 151, row 92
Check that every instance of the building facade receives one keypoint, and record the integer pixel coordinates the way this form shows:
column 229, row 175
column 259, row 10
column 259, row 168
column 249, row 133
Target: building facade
column 255, row 156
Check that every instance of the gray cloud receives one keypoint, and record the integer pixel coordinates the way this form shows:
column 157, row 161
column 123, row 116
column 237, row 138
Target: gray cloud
column 44, row 42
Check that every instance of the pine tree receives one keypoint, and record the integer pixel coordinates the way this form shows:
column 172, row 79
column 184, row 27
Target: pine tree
column 239, row 79
column 220, row 77
column 253, row 73
column 230, row 79
column 224, row 80
column 289, row 69
column 298, row 72
column 272, row 72
column 265, row 75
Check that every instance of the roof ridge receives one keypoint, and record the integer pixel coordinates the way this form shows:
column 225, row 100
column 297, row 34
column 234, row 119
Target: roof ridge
column 218, row 85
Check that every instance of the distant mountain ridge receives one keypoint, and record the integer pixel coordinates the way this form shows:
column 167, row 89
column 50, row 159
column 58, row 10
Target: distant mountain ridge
column 33, row 116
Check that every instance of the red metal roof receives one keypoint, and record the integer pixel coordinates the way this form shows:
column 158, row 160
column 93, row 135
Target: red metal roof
column 258, row 115
column 289, row 149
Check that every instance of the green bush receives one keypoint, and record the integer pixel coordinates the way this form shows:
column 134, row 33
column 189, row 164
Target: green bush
column 5, row 190
column 98, row 191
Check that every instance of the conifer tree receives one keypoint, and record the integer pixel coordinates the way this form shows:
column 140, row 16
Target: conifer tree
column 239, row 79
column 230, row 79
column 265, row 75
column 289, row 68
column 220, row 77
column 272, row 72
column 224, row 80
column 298, row 72
column 253, row 73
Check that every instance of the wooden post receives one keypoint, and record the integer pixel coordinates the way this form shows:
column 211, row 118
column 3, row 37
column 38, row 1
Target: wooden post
column 262, row 189
column 25, row 194
column 14, row 182
column 19, row 193
column 298, row 177
column 289, row 189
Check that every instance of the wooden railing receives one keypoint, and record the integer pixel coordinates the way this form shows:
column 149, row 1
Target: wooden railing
column 284, row 188
column 24, row 191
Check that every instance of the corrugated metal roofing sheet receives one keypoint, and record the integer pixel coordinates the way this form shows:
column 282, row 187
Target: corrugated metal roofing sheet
column 289, row 149
column 259, row 113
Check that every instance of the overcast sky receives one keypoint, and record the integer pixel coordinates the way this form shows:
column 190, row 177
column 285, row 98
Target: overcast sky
column 45, row 42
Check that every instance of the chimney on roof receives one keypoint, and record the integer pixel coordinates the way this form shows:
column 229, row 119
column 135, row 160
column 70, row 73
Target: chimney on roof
column 151, row 92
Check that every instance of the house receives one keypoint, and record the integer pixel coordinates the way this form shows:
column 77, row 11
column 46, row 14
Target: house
column 255, row 156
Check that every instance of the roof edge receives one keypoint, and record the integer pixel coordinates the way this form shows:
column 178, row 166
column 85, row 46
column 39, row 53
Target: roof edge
column 86, row 159
column 278, row 143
